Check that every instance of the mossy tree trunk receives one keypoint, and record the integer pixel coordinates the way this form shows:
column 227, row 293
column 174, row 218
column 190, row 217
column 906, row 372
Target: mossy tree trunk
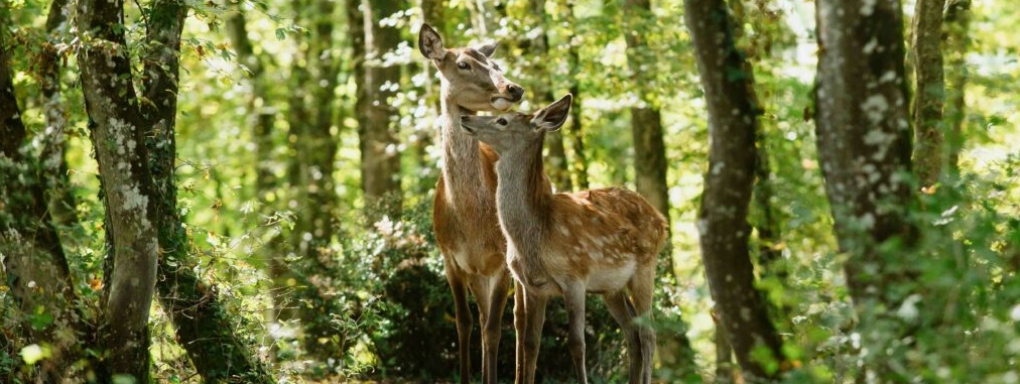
column 203, row 327
column 728, row 81
column 119, row 132
column 930, row 92
column 60, row 199
column 956, row 39
column 863, row 130
column 36, row 268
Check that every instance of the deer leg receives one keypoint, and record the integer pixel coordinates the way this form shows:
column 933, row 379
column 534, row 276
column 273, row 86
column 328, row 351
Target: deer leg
column 534, row 306
column 642, row 290
column 464, row 324
column 573, row 296
column 520, row 332
column 492, row 321
column 620, row 309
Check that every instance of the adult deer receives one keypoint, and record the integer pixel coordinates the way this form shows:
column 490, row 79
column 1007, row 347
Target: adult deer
column 602, row 241
column 464, row 210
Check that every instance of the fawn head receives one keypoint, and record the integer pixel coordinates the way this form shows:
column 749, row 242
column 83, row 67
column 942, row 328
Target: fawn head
column 512, row 130
column 470, row 74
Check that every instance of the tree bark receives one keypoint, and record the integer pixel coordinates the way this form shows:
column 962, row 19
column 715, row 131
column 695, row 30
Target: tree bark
column 202, row 325
column 535, row 51
column 377, row 127
column 37, row 270
column 434, row 14
column 724, row 373
column 863, row 131
column 579, row 165
column 768, row 225
column 650, row 165
column 957, row 41
column 484, row 21
column 60, row 199
column 646, row 123
column 733, row 122
column 930, row 91
column 119, row 136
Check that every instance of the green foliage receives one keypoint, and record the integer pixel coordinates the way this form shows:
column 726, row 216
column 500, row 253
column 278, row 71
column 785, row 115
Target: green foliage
column 378, row 294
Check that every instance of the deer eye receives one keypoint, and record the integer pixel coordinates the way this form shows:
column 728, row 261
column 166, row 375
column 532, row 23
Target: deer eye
column 501, row 121
column 463, row 65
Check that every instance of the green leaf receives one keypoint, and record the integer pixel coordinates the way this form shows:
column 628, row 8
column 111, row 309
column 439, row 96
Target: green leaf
column 41, row 320
column 281, row 34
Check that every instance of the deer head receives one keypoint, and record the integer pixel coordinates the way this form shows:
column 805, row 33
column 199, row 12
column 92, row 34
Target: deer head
column 508, row 131
column 470, row 74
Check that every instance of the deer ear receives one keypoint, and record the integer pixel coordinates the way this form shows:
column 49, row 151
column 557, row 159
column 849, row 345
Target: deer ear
column 551, row 118
column 487, row 49
column 430, row 44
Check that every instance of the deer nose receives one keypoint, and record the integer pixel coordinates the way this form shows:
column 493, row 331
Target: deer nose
column 516, row 92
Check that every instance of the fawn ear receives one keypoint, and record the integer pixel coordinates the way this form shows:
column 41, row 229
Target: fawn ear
column 487, row 49
column 430, row 44
column 551, row 118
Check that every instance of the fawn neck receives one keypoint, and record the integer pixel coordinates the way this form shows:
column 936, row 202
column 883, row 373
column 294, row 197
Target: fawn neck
column 523, row 196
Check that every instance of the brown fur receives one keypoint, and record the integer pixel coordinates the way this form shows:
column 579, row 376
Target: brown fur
column 602, row 241
column 464, row 210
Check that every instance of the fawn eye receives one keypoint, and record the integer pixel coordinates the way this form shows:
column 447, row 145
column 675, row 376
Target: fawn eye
column 501, row 121
column 463, row 65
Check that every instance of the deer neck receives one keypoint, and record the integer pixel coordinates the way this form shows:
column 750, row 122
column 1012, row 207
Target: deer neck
column 522, row 198
column 462, row 168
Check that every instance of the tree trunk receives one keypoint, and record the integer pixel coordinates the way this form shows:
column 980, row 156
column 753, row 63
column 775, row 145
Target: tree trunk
column 650, row 165
column 535, row 53
column 646, row 123
column 434, row 13
column 579, row 165
column 733, row 121
column 118, row 135
column 724, row 373
column 767, row 225
column 484, row 21
column 377, row 126
column 202, row 326
column 957, row 42
column 37, row 270
column 60, row 199
column 650, row 157
column 930, row 91
column 863, row 134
